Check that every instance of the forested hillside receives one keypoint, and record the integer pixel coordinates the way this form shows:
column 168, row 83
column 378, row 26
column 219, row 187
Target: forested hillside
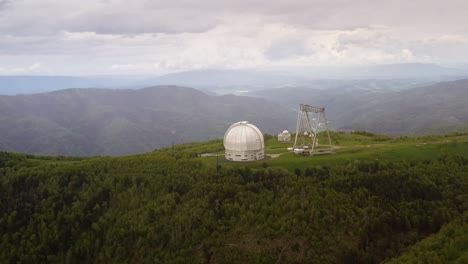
column 438, row 108
column 449, row 245
column 172, row 206
column 416, row 110
column 87, row 122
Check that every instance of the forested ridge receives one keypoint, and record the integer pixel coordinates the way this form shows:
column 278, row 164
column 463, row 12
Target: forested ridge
column 437, row 108
column 169, row 206
column 92, row 122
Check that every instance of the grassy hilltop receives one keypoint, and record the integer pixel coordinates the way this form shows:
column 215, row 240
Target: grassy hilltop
column 377, row 199
column 354, row 147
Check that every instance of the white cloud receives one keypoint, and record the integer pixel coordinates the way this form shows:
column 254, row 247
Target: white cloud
column 29, row 69
column 155, row 37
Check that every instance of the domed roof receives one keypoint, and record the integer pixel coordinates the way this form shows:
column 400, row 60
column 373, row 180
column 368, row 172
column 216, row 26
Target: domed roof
column 243, row 136
column 285, row 132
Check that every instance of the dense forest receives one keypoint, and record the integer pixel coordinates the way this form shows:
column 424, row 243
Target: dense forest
column 169, row 206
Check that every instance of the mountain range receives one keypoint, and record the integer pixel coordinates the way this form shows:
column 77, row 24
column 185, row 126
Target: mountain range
column 120, row 122
column 408, row 111
column 231, row 80
column 89, row 122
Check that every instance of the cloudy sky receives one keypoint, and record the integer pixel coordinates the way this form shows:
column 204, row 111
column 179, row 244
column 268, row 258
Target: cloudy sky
column 143, row 37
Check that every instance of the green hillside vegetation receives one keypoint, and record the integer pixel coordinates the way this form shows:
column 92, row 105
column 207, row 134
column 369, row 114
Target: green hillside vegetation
column 437, row 108
column 377, row 199
column 461, row 128
column 449, row 245
column 355, row 147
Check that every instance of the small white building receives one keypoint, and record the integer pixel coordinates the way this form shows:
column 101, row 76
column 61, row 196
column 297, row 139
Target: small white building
column 243, row 142
column 284, row 136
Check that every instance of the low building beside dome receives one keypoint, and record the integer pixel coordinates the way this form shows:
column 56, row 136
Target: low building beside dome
column 284, row 136
column 243, row 141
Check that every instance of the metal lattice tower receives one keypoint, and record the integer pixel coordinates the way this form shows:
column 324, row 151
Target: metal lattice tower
column 310, row 121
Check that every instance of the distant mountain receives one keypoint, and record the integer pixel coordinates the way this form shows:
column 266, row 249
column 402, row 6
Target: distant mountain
column 121, row 122
column 212, row 79
column 238, row 81
column 417, row 110
column 25, row 84
column 410, row 70
column 225, row 81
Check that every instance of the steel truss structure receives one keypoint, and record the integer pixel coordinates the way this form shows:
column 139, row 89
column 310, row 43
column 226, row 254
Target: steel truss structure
column 311, row 121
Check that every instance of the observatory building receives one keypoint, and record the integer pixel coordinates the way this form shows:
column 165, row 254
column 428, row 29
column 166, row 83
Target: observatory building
column 243, row 142
column 284, row 136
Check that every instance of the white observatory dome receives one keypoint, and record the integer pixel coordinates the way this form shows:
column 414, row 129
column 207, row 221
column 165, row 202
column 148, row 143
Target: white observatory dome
column 284, row 136
column 243, row 142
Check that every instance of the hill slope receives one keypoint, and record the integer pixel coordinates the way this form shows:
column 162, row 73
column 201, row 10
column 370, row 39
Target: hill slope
column 171, row 206
column 449, row 245
column 408, row 111
column 415, row 110
column 120, row 122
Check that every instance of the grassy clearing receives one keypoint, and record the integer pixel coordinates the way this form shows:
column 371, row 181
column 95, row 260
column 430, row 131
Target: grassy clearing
column 355, row 147
column 351, row 148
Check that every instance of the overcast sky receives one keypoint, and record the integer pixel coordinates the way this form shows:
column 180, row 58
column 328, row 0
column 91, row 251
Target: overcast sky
column 68, row 37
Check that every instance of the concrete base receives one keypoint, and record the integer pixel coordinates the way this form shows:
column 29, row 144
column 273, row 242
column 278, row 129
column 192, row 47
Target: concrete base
column 244, row 155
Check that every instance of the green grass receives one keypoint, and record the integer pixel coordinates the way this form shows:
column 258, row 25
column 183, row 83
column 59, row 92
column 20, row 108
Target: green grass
column 353, row 148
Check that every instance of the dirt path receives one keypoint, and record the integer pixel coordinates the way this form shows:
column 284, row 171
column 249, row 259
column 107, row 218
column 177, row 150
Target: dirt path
column 273, row 156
